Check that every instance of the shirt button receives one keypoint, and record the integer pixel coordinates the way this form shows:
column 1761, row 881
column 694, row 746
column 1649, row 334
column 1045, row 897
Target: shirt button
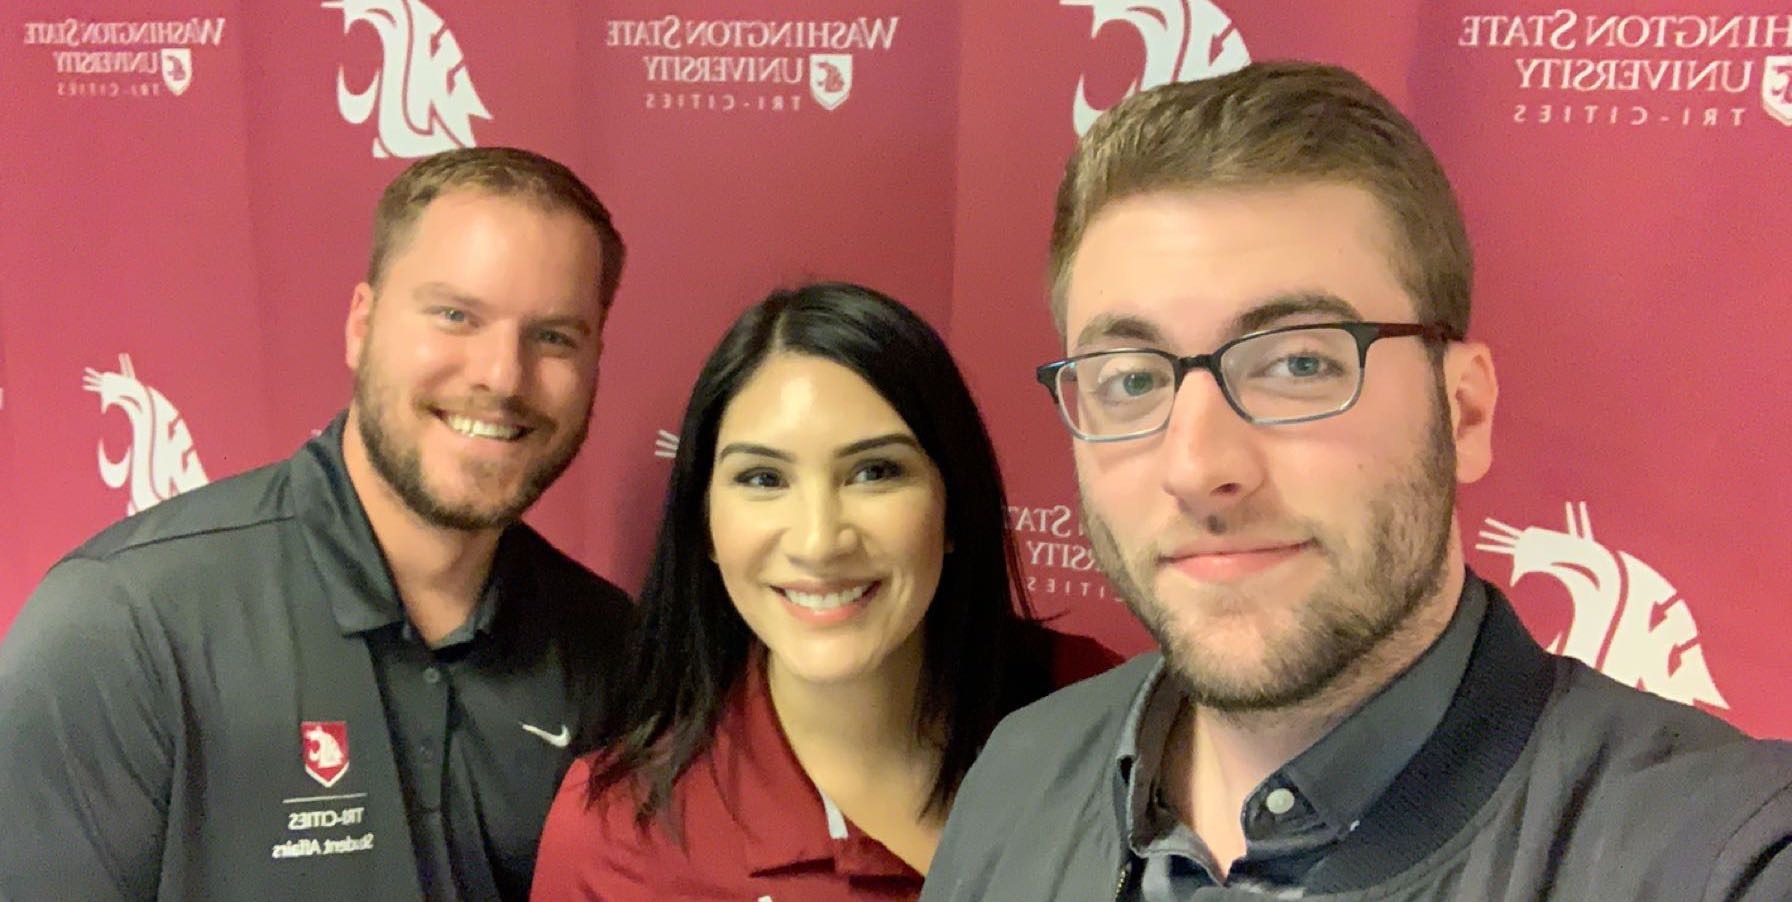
column 1279, row 801
column 432, row 676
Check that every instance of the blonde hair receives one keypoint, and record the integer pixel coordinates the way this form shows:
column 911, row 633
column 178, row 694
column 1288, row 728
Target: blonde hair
column 1271, row 124
column 502, row 171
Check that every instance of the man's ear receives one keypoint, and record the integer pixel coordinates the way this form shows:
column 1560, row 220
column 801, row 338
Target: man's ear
column 360, row 318
column 1473, row 390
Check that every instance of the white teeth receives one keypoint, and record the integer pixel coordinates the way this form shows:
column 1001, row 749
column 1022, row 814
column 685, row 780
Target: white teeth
column 826, row 602
column 482, row 429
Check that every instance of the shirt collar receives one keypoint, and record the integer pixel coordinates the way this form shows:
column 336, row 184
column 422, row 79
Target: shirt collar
column 1343, row 773
column 1339, row 776
column 479, row 624
column 1144, row 736
column 783, row 817
column 350, row 567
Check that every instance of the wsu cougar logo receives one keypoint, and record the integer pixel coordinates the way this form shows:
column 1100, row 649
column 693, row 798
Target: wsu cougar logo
column 830, row 78
column 424, row 94
column 1628, row 620
column 161, row 462
column 1185, row 40
column 326, row 749
column 1776, row 88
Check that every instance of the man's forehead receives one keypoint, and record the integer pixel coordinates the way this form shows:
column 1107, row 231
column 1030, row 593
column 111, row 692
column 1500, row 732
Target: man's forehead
column 1203, row 266
column 1188, row 325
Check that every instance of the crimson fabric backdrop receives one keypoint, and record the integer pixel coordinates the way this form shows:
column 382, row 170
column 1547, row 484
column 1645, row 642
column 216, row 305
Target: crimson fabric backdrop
column 188, row 187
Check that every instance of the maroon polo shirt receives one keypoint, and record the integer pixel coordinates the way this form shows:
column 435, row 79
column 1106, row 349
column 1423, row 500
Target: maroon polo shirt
column 756, row 828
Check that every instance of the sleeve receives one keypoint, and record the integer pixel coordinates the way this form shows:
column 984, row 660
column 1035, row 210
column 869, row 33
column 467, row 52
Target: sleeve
column 577, row 860
column 961, row 864
column 1756, row 863
column 86, row 737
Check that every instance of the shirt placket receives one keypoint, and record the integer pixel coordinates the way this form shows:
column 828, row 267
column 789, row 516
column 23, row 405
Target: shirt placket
column 424, row 693
column 430, row 749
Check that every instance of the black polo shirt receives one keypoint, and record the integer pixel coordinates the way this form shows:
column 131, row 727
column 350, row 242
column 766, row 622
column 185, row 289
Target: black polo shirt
column 221, row 698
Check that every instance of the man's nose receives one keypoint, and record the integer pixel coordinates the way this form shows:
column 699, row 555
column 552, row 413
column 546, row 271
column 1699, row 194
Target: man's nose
column 500, row 361
column 1211, row 456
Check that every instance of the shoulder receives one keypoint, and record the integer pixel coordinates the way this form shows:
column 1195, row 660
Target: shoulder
column 555, row 600
column 86, row 625
column 593, row 848
column 1590, row 711
column 1069, row 735
column 1636, row 757
column 138, row 575
column 1095, row 704
column 565, row 581
column 600, row 847
column 209, row 514
column 1631, row 747
column 1048, row 766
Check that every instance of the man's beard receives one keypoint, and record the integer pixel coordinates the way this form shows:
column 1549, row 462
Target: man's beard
column 401, row 465
column 1370, row 592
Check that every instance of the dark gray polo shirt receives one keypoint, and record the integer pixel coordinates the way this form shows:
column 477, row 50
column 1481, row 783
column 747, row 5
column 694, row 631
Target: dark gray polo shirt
column 220, row 698
column 473, row 830
column 1297, row 814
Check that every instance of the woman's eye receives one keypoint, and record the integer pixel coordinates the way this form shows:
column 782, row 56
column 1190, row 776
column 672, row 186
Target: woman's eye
column 759, row 479
column 877, row 471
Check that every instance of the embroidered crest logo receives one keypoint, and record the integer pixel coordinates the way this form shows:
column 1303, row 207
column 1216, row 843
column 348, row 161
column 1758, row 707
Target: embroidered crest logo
column 422, row 90
column 1185, row 40
column 830, row 78
column 325, row 744
column 161, row 461
column 1629, row 621
column 1776, row 88
column 177, row 69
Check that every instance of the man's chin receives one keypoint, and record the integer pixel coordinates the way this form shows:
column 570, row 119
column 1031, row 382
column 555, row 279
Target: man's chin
column 467, row 511
column 1233, row 684
column 1230, row 654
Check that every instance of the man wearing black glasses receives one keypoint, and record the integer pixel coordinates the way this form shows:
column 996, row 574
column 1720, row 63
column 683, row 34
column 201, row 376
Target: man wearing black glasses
column 1263, row 285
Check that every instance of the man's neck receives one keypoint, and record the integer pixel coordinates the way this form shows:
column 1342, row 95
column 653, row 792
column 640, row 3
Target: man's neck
column 439, row 572
column 1215, row 759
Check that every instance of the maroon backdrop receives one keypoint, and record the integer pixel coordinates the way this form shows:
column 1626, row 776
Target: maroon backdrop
column 188, row 187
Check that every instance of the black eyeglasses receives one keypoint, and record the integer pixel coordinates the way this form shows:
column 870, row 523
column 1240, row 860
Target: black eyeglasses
column 1293, row 374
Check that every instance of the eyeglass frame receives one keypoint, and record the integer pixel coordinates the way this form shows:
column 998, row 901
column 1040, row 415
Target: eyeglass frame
column 1365, row 333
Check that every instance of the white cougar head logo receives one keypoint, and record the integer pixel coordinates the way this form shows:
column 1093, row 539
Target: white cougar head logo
column 322, row 749
column 1185, row 40
column 425, row 96
column 161, row 462
column 1628, row 621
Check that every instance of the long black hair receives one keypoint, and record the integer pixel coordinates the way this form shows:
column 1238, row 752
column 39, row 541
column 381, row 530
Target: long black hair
column 984, row 655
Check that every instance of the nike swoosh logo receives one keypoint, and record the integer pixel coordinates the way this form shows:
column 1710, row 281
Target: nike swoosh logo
column 557, row 740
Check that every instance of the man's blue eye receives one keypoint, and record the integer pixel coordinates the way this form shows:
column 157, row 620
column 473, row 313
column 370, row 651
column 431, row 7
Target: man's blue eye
column 1305, row 365
column 1136, row 384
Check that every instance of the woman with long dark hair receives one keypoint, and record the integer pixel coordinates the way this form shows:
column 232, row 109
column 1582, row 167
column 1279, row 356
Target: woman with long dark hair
column 832, row 625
